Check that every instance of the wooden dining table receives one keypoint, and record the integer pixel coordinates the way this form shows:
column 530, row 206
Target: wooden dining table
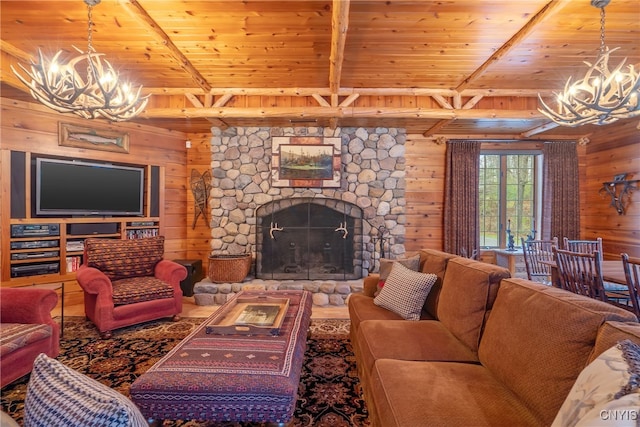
column 612, row 271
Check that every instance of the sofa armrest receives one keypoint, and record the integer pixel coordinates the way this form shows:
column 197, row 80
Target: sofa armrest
column 27, row 305
column 170, row 272
column 370, row 284
column 93, row 281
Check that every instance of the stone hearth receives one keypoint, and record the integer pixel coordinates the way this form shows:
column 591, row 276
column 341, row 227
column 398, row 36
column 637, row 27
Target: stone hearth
column 325, row 292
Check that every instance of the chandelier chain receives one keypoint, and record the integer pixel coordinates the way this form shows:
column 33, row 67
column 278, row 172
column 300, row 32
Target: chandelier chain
column 602, row 19
column 90, row 48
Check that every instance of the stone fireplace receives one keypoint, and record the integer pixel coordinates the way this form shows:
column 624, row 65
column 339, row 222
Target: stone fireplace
column 309, row 239
column 244, row 203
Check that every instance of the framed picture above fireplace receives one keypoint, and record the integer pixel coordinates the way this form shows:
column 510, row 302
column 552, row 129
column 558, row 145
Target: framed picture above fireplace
column 305, row 161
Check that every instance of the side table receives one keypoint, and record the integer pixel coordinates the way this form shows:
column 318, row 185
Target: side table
column 53, row 287
column 194, row 274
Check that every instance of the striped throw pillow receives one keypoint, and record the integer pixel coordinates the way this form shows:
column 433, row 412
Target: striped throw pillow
column 59, row 396
column 405, row 291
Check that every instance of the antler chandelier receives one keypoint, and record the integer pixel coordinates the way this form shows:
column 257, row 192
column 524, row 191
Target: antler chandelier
column 601, row 96
column 87, row 85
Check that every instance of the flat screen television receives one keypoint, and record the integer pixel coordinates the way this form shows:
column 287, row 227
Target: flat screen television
column 79, row 188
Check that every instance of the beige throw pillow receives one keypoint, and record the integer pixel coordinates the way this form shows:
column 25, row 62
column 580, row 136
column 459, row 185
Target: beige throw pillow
column 405, row 291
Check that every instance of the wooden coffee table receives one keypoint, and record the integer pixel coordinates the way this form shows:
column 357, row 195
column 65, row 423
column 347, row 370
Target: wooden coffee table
column 230, row 377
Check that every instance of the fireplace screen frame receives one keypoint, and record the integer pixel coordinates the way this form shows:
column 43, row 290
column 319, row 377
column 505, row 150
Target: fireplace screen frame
column 309, row 238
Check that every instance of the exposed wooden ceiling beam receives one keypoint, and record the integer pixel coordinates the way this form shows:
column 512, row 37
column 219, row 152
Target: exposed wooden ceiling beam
column 540, row 129
column 550, row 7
column 339, row 27
column 435, row 128
column 195, row 101
column 504, row 137
column 339, row 112
column 310, row 91
column 140, row 14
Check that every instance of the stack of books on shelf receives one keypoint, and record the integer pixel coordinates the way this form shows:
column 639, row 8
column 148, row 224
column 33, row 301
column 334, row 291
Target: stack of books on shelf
column 142, row 233
column 73, row 263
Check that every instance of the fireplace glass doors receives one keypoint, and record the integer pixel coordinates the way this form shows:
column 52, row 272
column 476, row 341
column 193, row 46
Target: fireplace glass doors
column 309, row 238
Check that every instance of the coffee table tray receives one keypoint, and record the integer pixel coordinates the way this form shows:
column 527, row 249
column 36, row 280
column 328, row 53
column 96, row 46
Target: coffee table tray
column 255, row 315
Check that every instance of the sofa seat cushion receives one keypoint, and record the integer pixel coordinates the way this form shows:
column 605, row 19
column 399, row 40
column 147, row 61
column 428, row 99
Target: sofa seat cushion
column 405, row 340
column 468, row 292
column 140, row 289
column 123, row 258
column 407, row 393
column 361, row 308
column 560, row 329
column 17, row 335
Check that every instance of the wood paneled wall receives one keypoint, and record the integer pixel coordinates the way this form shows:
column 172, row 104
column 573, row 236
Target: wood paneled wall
column 612, row 150
column 198, row 236
column 425, row 163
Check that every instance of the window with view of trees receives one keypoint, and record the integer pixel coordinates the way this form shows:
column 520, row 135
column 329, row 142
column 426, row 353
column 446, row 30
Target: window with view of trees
column 508, row 196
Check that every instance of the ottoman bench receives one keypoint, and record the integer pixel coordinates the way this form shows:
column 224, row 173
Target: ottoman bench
column 237, row 378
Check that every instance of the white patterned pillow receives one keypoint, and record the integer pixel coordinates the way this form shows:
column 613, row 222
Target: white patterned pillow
column 405, row 291
column 606, row 392
column 59, row 396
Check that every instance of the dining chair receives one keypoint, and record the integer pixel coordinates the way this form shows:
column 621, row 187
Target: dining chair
column 587, row 246
column 580, row 273
column 591, row 246
column 536, row 252
column 631, row 267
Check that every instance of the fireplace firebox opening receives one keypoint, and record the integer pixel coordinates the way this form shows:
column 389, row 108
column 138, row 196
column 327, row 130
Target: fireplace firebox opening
column 309, row 239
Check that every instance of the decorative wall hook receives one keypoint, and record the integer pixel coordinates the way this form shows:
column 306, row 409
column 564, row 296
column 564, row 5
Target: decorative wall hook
column 620, row 191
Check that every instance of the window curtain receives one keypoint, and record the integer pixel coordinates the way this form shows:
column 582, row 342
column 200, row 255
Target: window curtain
column 560, row 191
column 461, row 205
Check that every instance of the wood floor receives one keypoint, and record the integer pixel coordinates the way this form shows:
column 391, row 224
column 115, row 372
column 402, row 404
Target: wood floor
column 190, row 309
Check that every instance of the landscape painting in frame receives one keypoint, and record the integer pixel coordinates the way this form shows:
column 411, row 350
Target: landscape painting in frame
column 306, row 162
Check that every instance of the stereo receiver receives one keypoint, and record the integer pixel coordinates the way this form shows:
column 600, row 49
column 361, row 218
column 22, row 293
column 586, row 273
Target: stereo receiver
column 30, row 230
column 30, row 255
column 34, row 269
column 35, row 244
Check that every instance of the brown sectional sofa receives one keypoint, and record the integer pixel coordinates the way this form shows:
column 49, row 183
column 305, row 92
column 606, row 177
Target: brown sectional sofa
column 489, row 349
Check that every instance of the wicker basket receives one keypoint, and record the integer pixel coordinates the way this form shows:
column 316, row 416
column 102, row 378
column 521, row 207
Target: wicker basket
column 229, row 268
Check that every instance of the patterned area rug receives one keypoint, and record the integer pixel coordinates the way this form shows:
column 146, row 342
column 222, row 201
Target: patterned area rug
column 329, row 393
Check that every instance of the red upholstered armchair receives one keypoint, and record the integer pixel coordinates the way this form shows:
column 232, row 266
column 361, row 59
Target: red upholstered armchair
column 126, row 282
column 26, row 330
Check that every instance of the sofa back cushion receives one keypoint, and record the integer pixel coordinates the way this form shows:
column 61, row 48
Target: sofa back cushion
column 611, row 333
column 124, row 258
column 538, row 338
column 468, row 291
column 434, row 262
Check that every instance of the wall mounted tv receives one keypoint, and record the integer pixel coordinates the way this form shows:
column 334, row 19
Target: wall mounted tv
column 78, row 188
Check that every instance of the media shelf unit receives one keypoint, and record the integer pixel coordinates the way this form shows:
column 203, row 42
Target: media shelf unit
column 42, row 257
column 38, row 249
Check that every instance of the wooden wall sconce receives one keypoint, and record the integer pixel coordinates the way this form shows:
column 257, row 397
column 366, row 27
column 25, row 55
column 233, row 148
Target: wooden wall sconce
column 619, row 190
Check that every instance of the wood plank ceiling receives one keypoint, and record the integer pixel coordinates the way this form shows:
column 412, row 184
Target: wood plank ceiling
column 465, row 68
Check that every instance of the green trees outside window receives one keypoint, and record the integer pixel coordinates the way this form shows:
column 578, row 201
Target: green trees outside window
column 508, row 197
